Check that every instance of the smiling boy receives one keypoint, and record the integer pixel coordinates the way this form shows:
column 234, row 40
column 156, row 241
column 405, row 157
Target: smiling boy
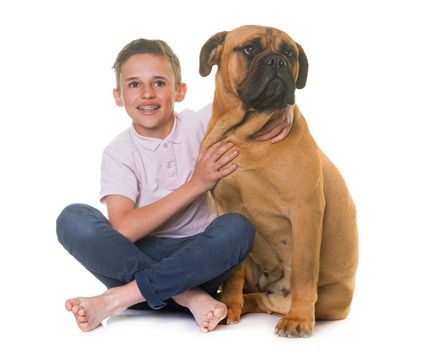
column 162, row 240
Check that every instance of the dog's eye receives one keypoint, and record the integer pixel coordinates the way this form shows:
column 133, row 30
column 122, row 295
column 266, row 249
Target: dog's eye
column 288, row 52
column 249, row 50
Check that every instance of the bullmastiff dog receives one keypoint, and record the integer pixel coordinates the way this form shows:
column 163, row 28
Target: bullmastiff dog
column 305, row 255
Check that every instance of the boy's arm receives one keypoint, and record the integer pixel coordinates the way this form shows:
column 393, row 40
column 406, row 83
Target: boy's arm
column 135, row 223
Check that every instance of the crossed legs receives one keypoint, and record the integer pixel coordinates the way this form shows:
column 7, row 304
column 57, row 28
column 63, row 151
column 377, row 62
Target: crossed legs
column 89, row 312
column 190, row 271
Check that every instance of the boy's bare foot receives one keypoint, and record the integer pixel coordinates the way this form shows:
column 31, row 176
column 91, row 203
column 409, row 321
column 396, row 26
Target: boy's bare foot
column 207, row 311
column 89, row 312
column 212, row 318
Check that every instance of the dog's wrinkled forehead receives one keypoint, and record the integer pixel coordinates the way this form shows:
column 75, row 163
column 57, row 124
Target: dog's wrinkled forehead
column 264, row 38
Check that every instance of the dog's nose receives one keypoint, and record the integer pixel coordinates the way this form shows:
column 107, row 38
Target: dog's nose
column 276, row 61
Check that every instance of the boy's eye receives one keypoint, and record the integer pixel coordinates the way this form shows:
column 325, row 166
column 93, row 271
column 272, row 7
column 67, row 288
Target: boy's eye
column 160, row 83
column 133, row 84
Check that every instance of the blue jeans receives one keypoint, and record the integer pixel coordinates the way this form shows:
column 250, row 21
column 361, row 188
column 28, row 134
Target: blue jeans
column 161, row 267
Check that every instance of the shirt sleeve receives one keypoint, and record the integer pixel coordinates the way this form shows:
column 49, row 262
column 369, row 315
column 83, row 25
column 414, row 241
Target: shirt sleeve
column 117, row 177
column 204, row 114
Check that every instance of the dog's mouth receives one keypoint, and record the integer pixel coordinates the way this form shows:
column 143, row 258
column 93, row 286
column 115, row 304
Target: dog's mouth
column 274, row 96
column 267, row 88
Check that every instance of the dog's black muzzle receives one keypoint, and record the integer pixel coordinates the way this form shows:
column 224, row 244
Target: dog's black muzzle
column 270, row 84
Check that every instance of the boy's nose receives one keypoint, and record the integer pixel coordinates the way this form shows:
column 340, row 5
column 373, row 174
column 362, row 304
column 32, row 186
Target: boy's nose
column 148, row 93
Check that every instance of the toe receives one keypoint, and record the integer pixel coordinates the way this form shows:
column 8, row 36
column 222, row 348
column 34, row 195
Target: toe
column 70, row 303
column 219, row 313
column 75, row 309
column 81, row 319
column 81, row 312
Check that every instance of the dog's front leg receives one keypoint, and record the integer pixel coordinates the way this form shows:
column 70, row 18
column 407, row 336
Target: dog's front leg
column 232, row 294
column 221, row 122
column 307, row 221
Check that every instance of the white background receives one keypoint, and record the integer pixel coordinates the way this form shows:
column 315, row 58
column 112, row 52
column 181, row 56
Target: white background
column 57, row 114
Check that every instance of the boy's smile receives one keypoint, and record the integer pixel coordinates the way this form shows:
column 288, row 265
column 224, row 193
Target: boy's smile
column 148, row 92
column 148, row 108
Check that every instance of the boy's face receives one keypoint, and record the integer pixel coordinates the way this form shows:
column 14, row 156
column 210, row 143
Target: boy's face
column 147, row 91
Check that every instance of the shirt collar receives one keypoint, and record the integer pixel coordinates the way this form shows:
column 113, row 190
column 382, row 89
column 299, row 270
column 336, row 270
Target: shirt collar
column 152, row 143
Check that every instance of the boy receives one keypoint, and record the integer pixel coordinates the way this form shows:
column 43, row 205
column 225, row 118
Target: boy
column 163, row 240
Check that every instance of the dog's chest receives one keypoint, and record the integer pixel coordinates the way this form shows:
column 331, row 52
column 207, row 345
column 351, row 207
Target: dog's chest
column 255, row 195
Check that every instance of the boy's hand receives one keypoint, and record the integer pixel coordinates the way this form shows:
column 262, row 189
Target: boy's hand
column 211, row 165
column 277, row 128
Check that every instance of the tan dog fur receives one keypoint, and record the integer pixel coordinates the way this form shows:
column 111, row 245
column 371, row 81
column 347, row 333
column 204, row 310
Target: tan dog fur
column 305, row 254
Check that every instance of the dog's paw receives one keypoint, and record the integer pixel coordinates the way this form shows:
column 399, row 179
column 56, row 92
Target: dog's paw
column 295, row 326
column 233, row 314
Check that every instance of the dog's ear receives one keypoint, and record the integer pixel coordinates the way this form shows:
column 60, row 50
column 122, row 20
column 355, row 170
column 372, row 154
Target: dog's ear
column 211, row 52
column 303, row 68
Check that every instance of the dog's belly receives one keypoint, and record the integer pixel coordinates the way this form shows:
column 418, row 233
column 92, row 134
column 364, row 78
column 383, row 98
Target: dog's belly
column 254, row 195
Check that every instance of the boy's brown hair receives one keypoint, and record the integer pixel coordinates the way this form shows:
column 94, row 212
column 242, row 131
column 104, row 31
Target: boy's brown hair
column 146, row 46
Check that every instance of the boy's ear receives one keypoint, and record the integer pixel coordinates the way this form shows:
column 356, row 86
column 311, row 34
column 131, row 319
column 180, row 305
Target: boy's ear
column 117, row 98
column 181, row 92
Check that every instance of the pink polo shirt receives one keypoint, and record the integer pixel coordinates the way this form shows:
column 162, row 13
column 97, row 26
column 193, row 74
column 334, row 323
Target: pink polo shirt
column 146, row 169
